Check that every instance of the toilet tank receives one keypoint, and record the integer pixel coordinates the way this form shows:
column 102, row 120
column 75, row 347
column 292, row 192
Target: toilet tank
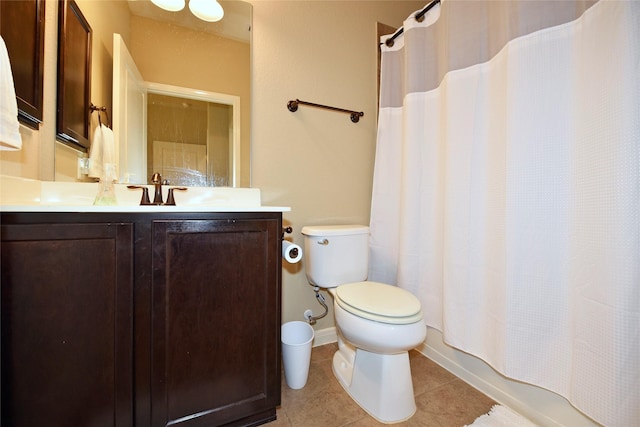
column 336, row 254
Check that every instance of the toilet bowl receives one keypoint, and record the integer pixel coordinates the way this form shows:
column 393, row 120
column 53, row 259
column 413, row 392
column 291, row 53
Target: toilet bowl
column 376, row 323
column 378, row 317
column 372, row 362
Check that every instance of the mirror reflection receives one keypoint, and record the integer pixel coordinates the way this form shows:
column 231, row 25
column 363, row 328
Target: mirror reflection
column 190, row 140
column 170, row 121
column 172, row 50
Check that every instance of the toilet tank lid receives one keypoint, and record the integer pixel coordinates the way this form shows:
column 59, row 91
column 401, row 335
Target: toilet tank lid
column 334, row 230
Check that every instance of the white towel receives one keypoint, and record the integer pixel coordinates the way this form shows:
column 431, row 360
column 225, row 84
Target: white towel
column 102, row 153
column 9, row 127
column 501, row 416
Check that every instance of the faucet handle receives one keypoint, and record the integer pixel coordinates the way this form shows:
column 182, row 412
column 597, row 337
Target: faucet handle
column 170, row 200
column 144, row 201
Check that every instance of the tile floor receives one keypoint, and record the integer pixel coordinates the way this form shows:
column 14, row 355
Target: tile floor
column 442, row 399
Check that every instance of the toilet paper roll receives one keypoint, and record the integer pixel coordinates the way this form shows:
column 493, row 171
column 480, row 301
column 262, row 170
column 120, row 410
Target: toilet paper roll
column 291, row 252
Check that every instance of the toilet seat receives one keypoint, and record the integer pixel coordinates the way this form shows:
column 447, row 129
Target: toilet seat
column 379, row 302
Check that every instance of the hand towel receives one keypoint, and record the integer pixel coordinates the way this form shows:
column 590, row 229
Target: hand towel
column 9, row 127
column 102, row 153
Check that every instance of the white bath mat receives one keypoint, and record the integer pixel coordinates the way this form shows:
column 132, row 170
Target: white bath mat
column 501, row 416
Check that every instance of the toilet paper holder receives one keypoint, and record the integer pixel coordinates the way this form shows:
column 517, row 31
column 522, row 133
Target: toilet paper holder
column 286, row 230
column 290, row 251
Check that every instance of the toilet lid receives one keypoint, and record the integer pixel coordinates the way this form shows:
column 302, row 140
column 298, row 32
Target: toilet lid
column 380, row 302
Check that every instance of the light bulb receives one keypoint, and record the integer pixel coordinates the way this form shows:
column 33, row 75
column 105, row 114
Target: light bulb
column 170, row 5
column 207, row 10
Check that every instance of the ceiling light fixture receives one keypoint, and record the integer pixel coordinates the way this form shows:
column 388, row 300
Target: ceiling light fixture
column 170, row 5
column 207, row 10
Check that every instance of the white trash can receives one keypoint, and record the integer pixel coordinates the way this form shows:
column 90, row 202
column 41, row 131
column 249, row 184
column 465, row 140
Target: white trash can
column 297, row 338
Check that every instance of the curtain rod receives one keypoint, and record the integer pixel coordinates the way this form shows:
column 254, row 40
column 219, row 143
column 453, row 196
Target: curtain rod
column 418, row 16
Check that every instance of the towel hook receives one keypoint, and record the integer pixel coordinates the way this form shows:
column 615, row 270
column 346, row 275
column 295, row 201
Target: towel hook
column 93, row 108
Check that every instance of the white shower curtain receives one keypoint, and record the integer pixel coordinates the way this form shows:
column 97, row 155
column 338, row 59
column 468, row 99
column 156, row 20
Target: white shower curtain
column 507, row 190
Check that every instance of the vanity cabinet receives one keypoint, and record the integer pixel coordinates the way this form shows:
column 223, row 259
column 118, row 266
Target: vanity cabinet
column 142, row 319
column 66, row 323
column 214, row 321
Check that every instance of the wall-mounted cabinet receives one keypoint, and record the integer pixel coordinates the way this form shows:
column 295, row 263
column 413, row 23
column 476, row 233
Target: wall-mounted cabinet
column 74, row 75
column 22, row 29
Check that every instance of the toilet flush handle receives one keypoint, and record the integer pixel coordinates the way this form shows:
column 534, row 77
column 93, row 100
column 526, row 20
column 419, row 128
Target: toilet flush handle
column 323, row 242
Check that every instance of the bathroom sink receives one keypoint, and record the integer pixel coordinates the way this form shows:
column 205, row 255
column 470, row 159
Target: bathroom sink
column 24, row 195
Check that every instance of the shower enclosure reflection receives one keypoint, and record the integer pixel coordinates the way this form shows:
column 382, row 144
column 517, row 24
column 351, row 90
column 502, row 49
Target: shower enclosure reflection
column 189, row 141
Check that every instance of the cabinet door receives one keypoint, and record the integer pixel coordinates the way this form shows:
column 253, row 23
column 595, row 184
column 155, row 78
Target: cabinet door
column 22, row 29
column 216, row 318
column 74, row 75
column 66, row 324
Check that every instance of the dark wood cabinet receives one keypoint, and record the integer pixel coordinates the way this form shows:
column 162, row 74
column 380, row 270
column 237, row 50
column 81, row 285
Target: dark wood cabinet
column 22, row 29
column 66, row 324
column 140, row 319
column 214, row 308
column 74, row 75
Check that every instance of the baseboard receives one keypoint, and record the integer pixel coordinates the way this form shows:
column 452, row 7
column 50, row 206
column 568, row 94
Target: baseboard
column 325, row 336
column 541, row 406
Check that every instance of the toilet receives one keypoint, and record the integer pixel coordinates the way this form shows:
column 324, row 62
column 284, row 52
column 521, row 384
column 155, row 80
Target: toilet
column 377, row 323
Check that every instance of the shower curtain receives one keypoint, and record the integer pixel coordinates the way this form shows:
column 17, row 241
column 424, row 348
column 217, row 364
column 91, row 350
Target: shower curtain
column 507, row 190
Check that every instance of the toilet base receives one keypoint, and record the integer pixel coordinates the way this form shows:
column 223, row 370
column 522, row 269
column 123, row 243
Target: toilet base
column 379, row 383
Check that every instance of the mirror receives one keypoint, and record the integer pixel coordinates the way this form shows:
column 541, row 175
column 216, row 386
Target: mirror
column 188, row 60
column 188, row 136
column 172, row 49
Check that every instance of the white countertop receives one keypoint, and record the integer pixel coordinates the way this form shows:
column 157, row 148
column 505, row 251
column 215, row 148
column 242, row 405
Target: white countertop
column 139, row 209
column 26, row 195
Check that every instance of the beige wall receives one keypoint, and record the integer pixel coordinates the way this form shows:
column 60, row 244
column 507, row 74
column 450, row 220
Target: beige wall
column 316, row 161
column 105, row 19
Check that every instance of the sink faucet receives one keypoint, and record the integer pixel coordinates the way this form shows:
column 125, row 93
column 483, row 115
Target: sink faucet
column 156, row 179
